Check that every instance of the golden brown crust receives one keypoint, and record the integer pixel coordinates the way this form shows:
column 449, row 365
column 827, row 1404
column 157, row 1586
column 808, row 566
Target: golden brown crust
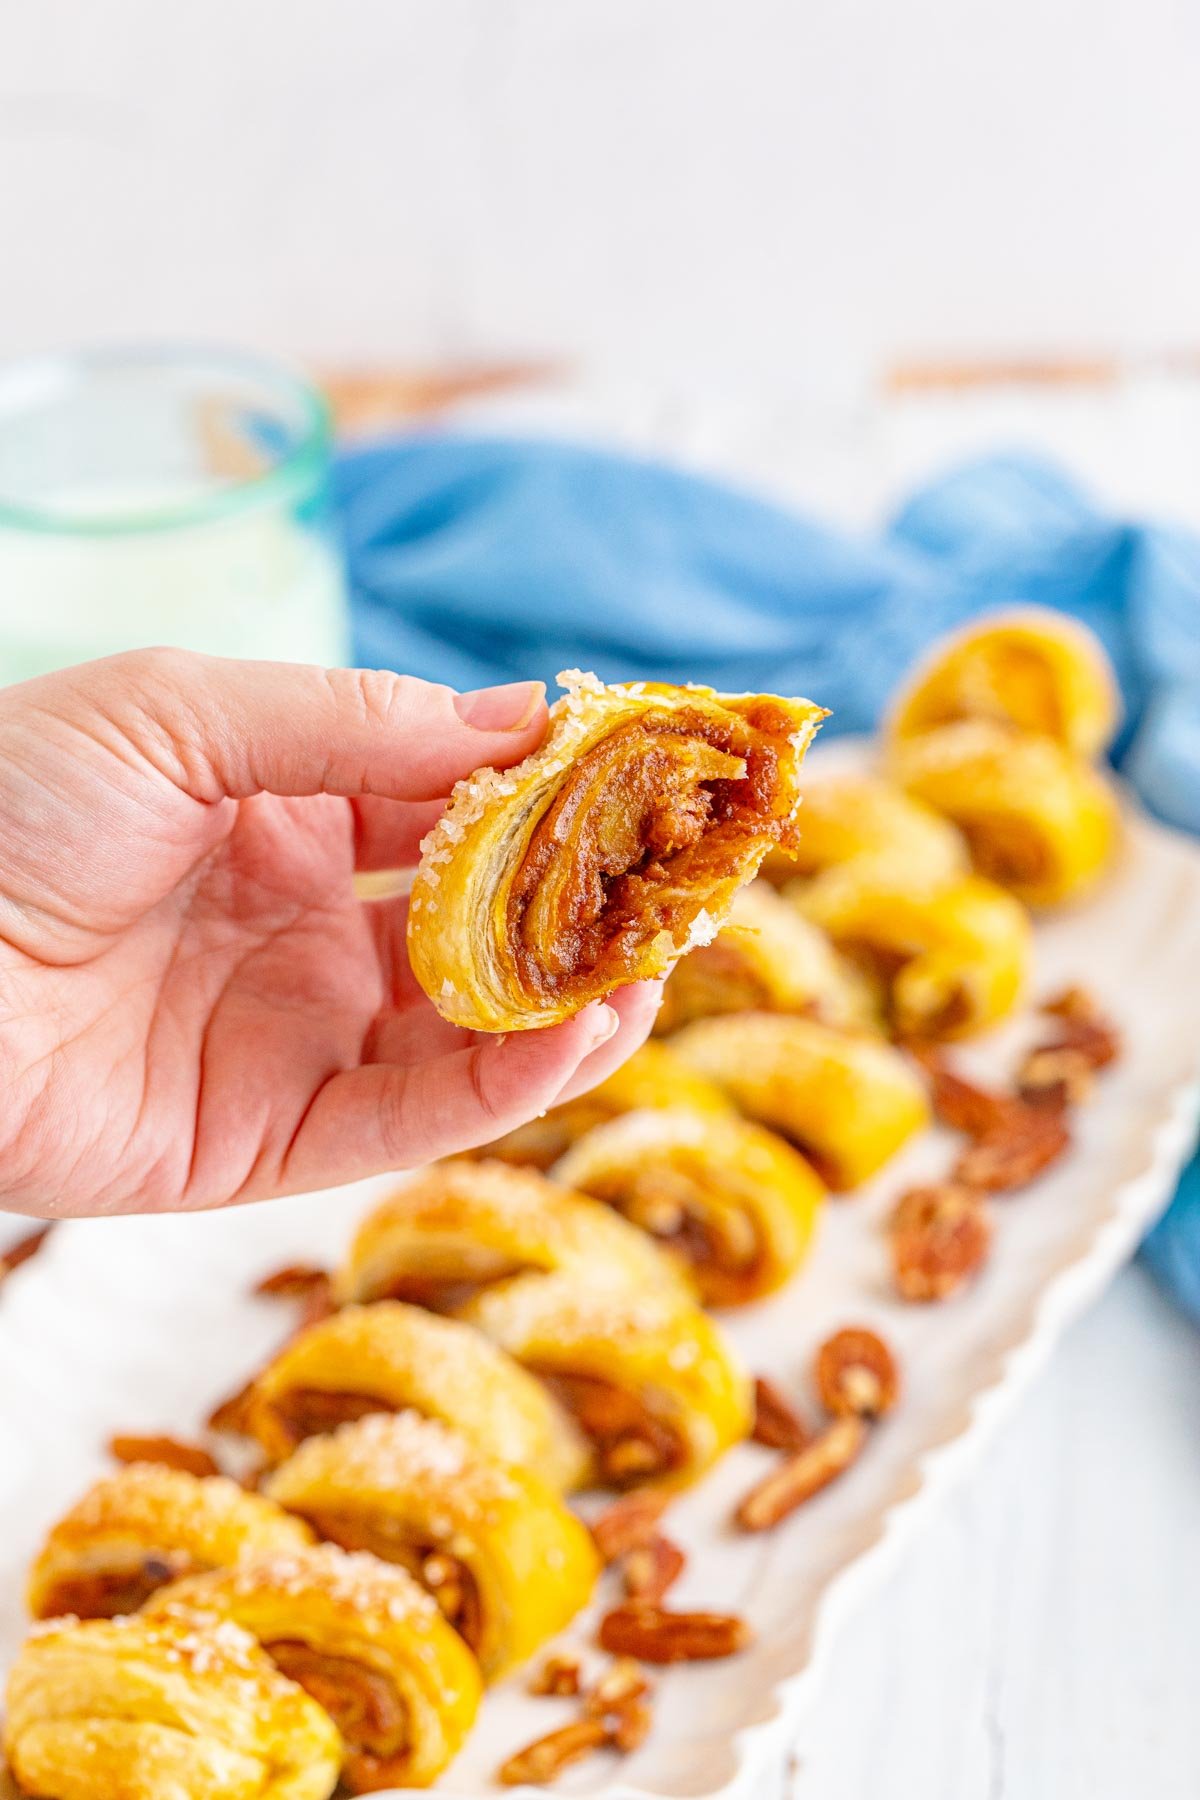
column 144, row 1526
column 607, row 853
column 135, row 1709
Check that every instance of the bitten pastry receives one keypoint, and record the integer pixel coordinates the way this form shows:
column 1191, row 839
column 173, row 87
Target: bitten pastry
column 365, row 1640
column 163, row 1709
column 142, row 1527
column 652, row 1077
column 390, row 1357
column 649, row 1378
column 734, row 1203
column 848, row 1102
column 952, row 957
column 1040, row 821
column 1031, row 668
column 459, row 1226
column 506, row 1562
column 607, row 853
column 847, row 816
column 766, row 959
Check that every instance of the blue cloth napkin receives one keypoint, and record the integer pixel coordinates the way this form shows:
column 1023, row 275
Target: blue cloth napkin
column 476, row 560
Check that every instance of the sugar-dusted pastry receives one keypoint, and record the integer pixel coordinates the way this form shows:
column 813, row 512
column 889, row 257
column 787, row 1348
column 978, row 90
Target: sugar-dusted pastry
column 389, row 1357
column 650, row 1379
column 458, row 1226
column 1040, row 820
column 652, row 1077
column 606, row 854
column 507, row 1563
column 162, row 1709
column 847, row 1101
column 1030, row 667
column 853, row 815
column 733, row 1202
column 952, row 957
column 365, row 1640
column 143, row 1526
column 769, row 959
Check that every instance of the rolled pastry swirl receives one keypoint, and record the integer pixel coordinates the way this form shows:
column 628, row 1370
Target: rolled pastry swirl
column 506, row 1562
column 856, row 815
column 143, row 1526
column 652, row 1077
column 952, row 957
column 735, row 1203
column 368, row 1644
column 389, row 1358
column 141, row 1709
column 1040, row 821
column 459, row 1226
column 607, row 853
column 1030, row 668
column 847, row 1102
column 765, row 959
column 649, row 1378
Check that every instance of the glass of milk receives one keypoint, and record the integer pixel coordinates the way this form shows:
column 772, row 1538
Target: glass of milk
column 164, row 496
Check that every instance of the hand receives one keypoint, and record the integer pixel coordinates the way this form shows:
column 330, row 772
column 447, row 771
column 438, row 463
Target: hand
column 195, row 1007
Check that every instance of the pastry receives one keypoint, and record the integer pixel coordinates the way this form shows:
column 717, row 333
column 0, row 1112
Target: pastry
column 163, row 1709
column 1040, row 821
column 848, row 816
column 951, row 957
column 1031, row 668
column 605, row 855
column 365, row 1640
column 653, row 1076
column 733, row 1202
column 765, row 959
column 650, row 1379
column 507, row 1563
column 847, row 1102
column 389, row 1357
column 143, row 1526
column 458, row 1226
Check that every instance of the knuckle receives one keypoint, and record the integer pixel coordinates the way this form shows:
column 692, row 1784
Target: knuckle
column 381, row 698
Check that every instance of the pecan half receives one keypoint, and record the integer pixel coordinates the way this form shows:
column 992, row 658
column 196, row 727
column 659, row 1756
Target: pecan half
column 803, row 1475
column 777, row 1424
column 856, row 1373
column 23, row 1250
column 230, row 1415
column 173, row 1453
column 292, row 1282
column 543, row 1761
column 940, row 1237
column 630, row 1725
column 560, row 1675
column 652, row 1570
column 963, row 1106
column 1084, row 1027
column 630, row 1522
column 653, row 1634
column 1055, row 1076
column 1012, row 1155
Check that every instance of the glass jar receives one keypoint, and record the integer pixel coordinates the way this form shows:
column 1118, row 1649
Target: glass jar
column 164, row 496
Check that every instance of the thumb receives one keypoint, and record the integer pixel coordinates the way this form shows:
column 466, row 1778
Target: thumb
column 223, row 729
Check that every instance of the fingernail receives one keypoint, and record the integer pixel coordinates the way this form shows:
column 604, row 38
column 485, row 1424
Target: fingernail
column 508, row 708
column 605, row 1023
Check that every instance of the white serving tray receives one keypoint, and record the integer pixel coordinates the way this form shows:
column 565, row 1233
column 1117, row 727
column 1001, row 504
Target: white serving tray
column 139, row 1324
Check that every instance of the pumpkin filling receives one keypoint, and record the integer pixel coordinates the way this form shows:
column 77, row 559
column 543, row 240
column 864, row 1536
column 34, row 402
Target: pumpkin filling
column 1007, row 851
column 311, row 1412
column 363, row 1704
column 445, row 1577
column 630, row 1442
column 108, row 1593
column 649, row 820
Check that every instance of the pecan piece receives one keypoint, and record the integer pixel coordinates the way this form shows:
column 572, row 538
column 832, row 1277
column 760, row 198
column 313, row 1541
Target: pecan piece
column 560, row 1675
column 803, row 1475
column 1055, row 1076
column 293, row 1282
column 940, row 1237
column 630, row 1522
column 655, row 1635
column 1070, row 1003
column 630, row 1726
column 777, row 1424
column 652, row 1569
column 1013, row 1154
column 856, row 1373
column 543, row 1761
column 623, row 1680
column 230, row 1415
column 963, row 1106
column 1084, row 1027
column 173, row 1453
column 23, row 1250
